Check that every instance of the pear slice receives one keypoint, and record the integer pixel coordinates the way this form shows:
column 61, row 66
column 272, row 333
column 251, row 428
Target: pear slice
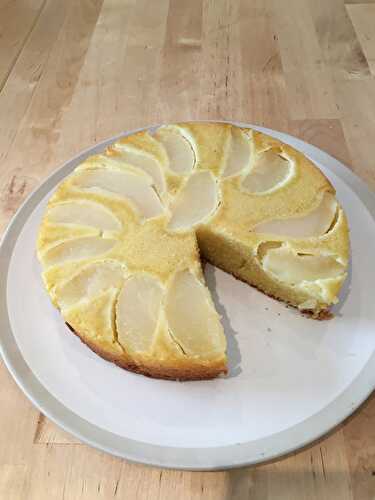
column 197, row 200
column 93, row 321
column 77, row 249
column 269, row 172
column 239, row 153
column 293, row 268
column 83, row 213
column 144, row 162
column 137, row 312
column 179, row 150
column 135, row 188
column 193, row 322
column 314, row 224
column 90, row 282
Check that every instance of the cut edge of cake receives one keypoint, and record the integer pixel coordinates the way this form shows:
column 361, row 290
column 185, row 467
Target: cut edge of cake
column 242, row 161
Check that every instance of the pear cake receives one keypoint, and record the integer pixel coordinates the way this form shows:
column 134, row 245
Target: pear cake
column 121, row 240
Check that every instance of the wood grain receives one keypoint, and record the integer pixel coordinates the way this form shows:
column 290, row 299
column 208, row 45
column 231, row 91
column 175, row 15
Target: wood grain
column 363, row 18
column 309, row 84
column 337, row 38
column 75, row 72
column 180, row 72
column 17, row 21
column 35, row 96
column 263, row 81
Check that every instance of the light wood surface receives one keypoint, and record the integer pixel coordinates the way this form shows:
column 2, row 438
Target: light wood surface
column 73, row 73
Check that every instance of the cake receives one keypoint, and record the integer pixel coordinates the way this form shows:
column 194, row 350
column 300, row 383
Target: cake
column 122, row 239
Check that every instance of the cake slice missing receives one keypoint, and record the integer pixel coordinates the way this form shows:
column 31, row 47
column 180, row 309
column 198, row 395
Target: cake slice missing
column 122, row 236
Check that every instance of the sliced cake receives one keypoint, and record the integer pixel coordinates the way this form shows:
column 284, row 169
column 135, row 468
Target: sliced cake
column 121, row 241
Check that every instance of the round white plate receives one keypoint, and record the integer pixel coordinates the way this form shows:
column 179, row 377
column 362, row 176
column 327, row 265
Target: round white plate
column 291, row 379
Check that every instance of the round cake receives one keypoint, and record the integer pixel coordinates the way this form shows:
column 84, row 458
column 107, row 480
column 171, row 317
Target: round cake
column 122, row 239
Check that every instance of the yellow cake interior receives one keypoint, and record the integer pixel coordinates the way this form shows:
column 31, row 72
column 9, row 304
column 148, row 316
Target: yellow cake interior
column 122, row 237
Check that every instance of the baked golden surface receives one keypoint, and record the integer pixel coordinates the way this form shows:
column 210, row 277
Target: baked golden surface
column 121, row 239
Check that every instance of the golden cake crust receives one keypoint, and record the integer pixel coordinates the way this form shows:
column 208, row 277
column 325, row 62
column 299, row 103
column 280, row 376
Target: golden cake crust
column 126, row 229
column 175, row 371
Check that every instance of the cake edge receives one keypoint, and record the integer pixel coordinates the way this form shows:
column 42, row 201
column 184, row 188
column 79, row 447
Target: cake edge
column 163, row 373
column 321, row 315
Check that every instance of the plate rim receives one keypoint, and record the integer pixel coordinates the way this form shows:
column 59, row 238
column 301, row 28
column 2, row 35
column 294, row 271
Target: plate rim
column 199, row 459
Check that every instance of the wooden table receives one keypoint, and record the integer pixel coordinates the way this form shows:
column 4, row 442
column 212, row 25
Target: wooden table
column 73, row 73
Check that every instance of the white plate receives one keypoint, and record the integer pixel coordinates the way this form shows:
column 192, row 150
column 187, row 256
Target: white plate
column 291, row 379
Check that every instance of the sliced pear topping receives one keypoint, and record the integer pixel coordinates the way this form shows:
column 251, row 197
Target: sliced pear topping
column 180, row 152
column 193, row 322
column 197, row 200
column 239, row 153
column 316, row 223
column 90, row 282
column 293, row 268
column 93, row 320
column 143, row 161
column 77, row 249
column 84, row 214
column 265, row 247
column 270, row 171
column 137, row 312
column 135, row 188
